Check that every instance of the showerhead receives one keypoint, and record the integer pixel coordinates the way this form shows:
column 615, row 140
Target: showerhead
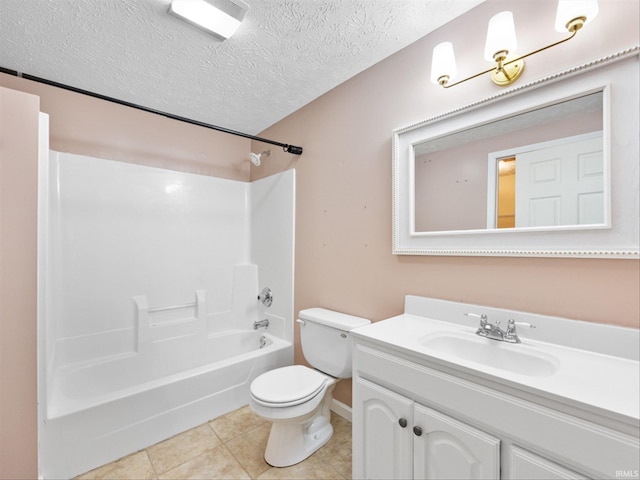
column 255, row 157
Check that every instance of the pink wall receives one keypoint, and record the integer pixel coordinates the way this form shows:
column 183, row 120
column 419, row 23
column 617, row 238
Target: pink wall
column 18, row 227
column 343, row 224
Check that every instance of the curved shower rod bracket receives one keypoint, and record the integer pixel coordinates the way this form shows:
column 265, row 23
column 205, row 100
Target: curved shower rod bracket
column 293, row 149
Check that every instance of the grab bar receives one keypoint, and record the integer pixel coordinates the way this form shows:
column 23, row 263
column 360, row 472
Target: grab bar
column 157, row 328
column 172, row 307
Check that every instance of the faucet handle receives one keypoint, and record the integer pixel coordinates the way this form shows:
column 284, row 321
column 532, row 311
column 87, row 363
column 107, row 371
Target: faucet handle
column 510, row 334
column 481, row 316
column 521, row 324
column 266, row 297
column 484, row 324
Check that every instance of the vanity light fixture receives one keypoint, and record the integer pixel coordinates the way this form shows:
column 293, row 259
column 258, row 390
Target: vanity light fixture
column 218, row 17
column 501, row 42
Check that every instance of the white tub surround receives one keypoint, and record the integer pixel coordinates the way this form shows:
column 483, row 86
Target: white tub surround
column 148, row 296
column 563, row 403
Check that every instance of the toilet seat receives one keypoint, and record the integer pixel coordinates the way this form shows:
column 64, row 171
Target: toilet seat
column 287, row 386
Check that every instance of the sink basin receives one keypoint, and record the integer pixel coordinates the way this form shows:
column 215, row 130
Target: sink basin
column 516, row 358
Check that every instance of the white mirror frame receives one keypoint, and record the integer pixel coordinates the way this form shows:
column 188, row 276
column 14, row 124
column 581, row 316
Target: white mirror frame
column 617, row 76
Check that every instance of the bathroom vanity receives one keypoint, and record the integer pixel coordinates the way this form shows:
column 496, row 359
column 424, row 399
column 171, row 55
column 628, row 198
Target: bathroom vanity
column 432, row 399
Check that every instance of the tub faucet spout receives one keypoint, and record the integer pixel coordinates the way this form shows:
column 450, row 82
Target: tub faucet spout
column 261, row 323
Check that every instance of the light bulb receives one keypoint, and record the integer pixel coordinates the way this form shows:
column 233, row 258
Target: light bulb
column 501, row 36
column 443, row 63
column 569, row 10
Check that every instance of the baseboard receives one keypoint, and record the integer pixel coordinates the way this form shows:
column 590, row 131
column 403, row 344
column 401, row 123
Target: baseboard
column 341, row 409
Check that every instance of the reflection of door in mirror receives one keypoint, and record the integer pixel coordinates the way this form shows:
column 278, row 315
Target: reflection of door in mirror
column 561, row 185
column 553, row 184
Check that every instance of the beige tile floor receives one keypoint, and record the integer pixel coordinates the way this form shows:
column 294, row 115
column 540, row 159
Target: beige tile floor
column 229, row 447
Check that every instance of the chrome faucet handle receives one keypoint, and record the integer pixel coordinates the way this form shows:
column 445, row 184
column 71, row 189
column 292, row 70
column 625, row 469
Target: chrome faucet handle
column 510, row 334
column 521, row 324
column 481, row 316
column 266, row 297
column 484, row 328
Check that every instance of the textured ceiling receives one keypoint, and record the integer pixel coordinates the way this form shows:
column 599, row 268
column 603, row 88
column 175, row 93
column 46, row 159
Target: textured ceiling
column 285, row 54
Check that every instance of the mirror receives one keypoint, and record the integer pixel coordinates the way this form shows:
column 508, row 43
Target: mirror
column 539, row 168
column 531, row 171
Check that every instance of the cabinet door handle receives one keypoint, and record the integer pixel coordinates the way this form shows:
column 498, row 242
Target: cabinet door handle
column 403, row 422
column 417, row 431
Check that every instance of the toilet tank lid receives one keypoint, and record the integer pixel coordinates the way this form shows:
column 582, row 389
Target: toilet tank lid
column 330, row 318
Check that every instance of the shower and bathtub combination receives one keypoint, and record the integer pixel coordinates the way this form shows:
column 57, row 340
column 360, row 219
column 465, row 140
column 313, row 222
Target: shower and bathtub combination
column 149, row 284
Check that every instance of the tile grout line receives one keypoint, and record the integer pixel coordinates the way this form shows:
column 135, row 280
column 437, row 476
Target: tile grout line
column 237, row 459
column 153, row 466
column 239, row 462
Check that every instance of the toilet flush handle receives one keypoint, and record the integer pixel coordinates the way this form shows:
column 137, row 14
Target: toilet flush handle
column 301, row 322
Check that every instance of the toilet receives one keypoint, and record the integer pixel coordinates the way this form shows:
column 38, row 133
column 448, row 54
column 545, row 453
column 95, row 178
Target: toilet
column 297, row 398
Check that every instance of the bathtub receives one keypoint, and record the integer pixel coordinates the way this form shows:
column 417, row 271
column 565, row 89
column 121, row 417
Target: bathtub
column 100, row 411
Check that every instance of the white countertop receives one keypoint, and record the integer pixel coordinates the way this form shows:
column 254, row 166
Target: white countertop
column 584, row 378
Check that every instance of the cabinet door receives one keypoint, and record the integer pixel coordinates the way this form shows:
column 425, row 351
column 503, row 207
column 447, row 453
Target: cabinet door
column 447, row 448
column 381, row 445
column 526, row 465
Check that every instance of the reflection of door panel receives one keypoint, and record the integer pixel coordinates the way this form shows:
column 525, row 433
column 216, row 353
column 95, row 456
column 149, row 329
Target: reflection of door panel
column 561, row 185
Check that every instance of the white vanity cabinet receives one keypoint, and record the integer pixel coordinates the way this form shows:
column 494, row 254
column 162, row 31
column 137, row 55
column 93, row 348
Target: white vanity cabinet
column 526, row 466
column 446, row 448
column 415, row 419
column 404, row 439
column 433, row 400
column 382, row 423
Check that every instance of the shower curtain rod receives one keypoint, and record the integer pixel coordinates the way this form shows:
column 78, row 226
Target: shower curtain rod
column 295, row 150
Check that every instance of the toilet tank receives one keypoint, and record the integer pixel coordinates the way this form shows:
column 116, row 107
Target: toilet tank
column 325, row 339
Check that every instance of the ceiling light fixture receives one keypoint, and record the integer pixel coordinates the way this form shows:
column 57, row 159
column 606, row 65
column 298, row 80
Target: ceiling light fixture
column 571, row 16
column 219, row 17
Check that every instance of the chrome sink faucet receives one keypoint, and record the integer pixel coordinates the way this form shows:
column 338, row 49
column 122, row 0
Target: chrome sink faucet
column 494, row 332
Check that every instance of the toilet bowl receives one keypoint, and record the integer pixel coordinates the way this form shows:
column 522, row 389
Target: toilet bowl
column 299, row 412
column 297, row 398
